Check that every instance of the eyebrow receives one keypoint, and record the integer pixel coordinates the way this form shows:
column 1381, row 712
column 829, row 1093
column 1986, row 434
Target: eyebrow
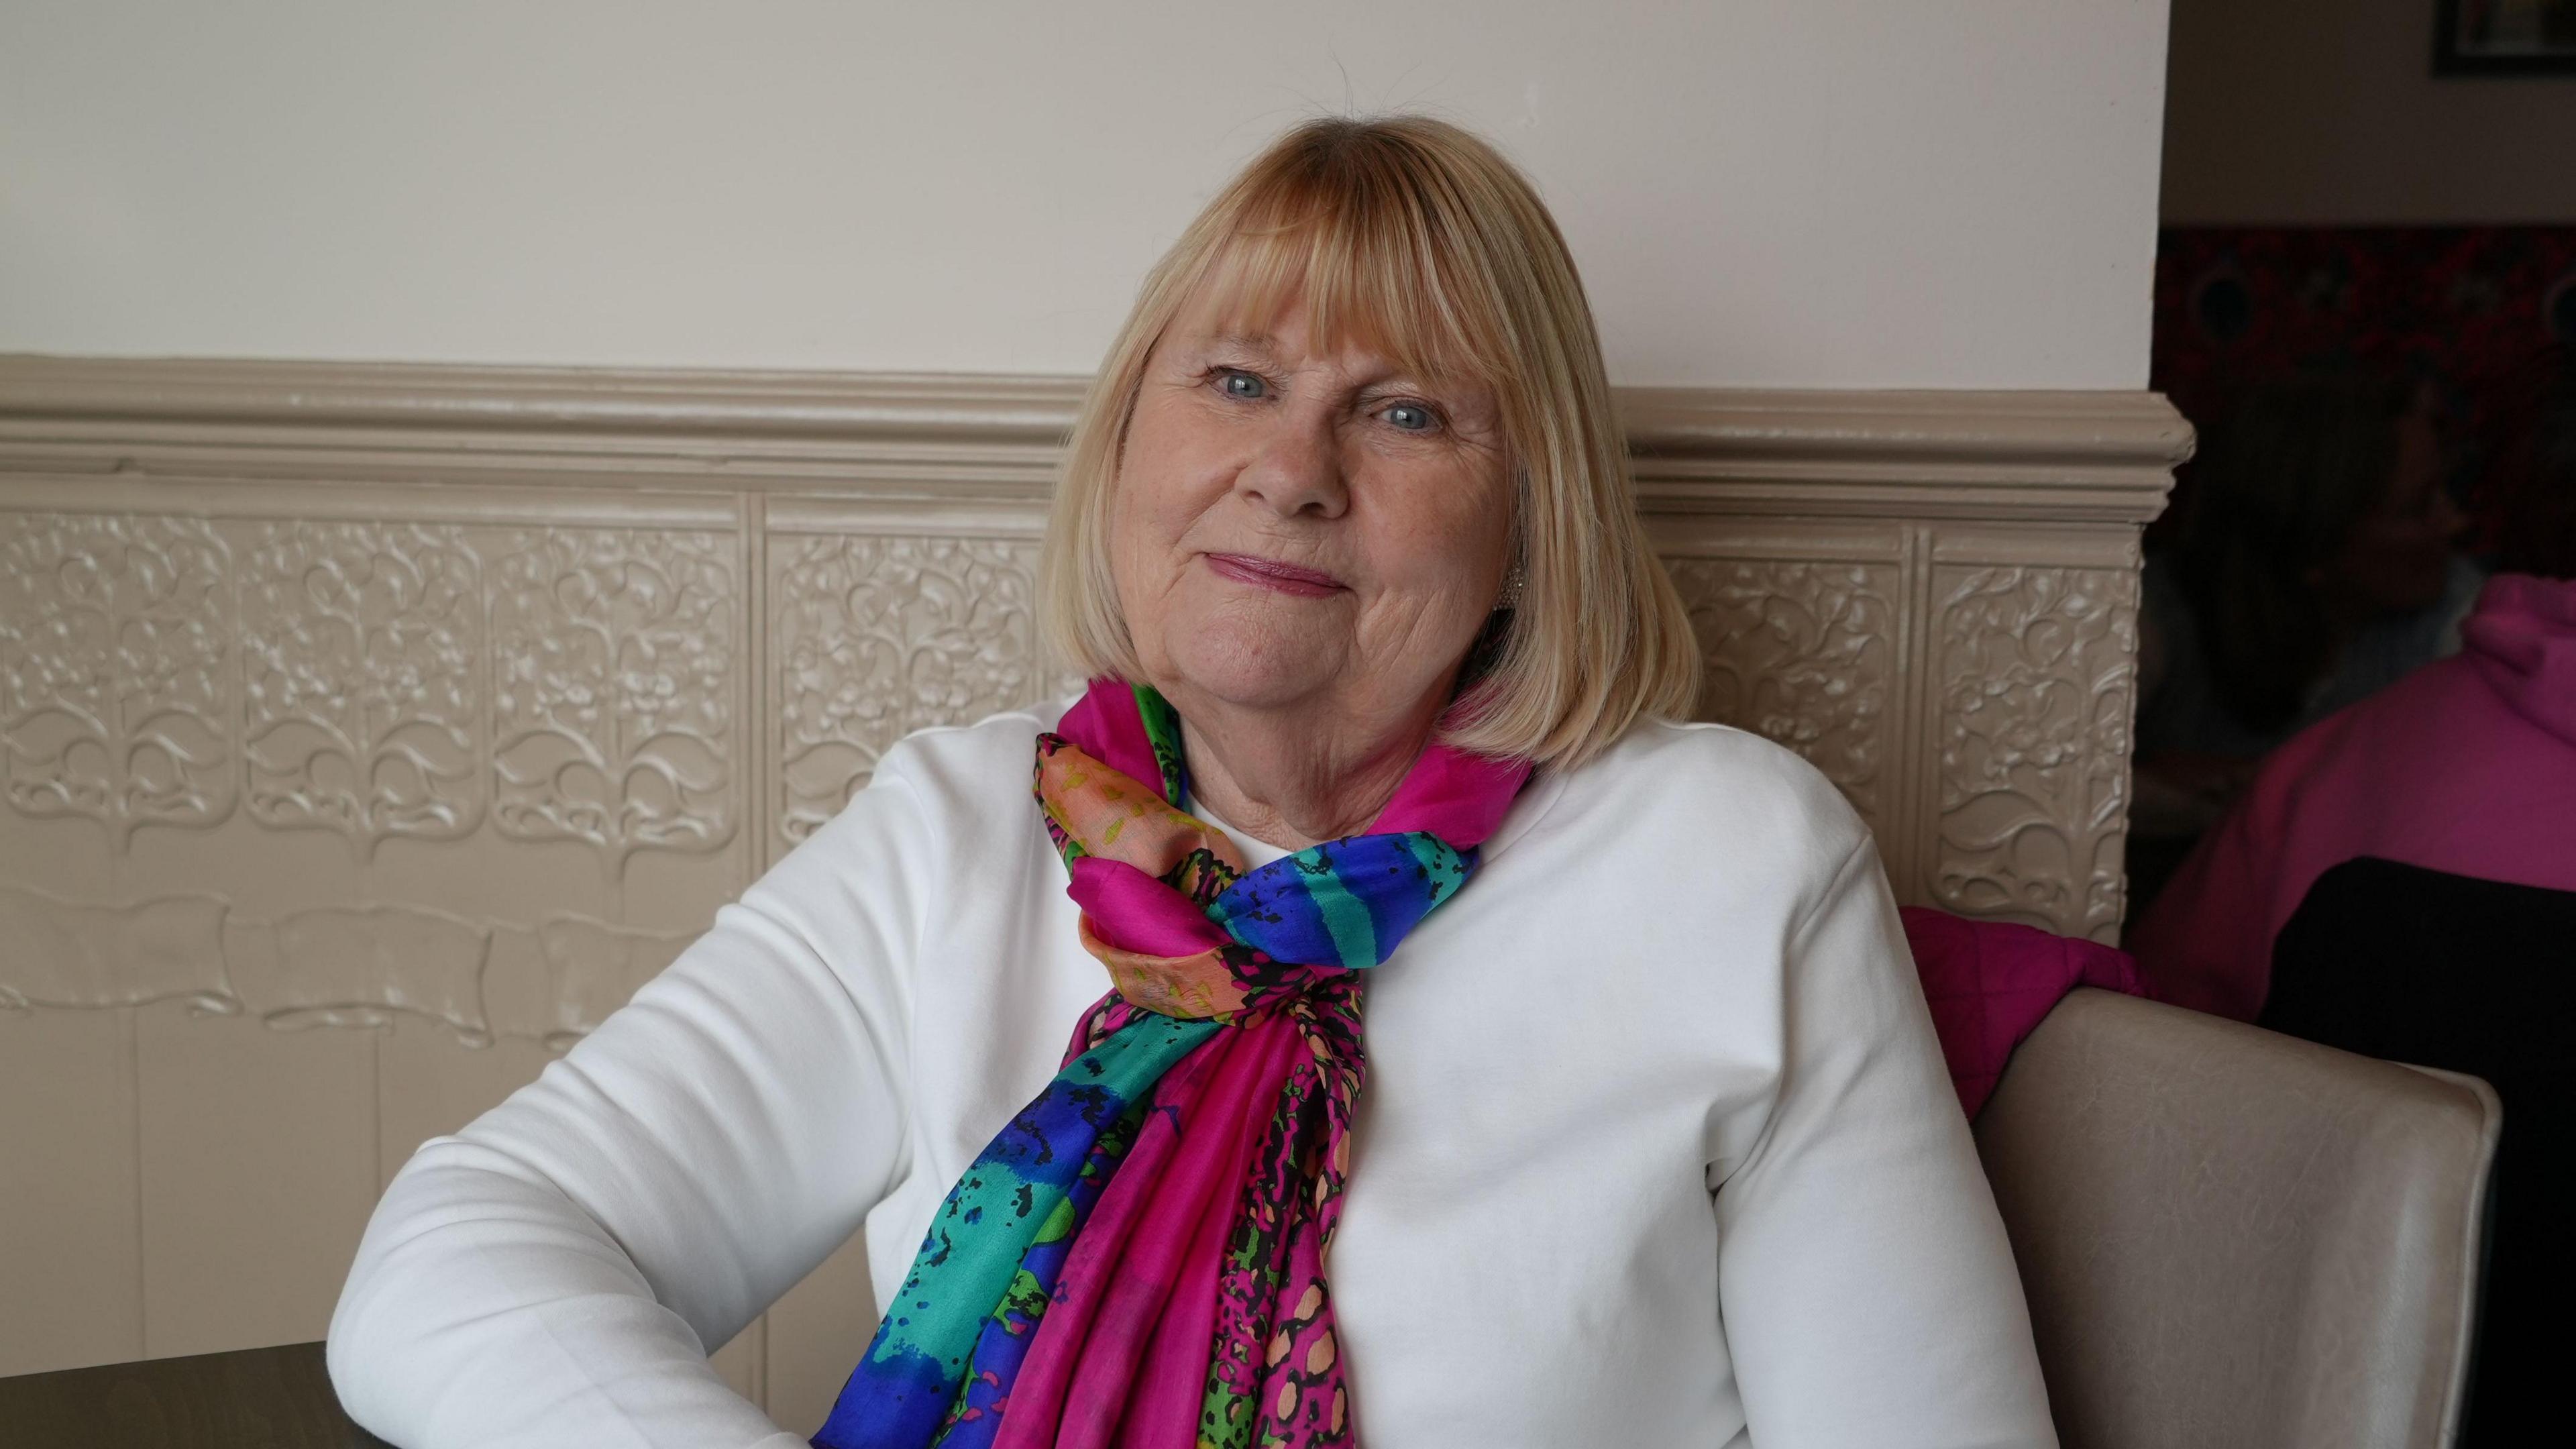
column 1268, row 346
column 1261, row 342
column 1399, row 377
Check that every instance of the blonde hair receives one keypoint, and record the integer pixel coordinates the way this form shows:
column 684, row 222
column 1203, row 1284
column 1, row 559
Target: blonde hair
column 1417, row 239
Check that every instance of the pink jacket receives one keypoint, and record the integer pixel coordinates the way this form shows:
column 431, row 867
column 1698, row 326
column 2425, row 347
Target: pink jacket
column 2468, row 766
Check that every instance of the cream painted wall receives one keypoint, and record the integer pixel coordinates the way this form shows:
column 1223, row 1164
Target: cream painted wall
column 1842, row 193
column 2326, row 112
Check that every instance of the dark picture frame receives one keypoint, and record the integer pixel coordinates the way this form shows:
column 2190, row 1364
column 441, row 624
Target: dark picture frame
column 2504, row 37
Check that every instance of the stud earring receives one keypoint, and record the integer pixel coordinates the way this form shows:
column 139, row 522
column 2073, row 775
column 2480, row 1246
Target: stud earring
column 1513, row 583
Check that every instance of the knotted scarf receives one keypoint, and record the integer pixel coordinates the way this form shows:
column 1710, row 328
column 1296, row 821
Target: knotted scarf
column 1137, row 1259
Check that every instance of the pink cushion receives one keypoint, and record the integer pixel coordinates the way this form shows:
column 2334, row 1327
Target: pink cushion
column 1991, row 982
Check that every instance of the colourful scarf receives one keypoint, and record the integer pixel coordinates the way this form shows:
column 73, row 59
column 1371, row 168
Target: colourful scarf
column 1138, row 1258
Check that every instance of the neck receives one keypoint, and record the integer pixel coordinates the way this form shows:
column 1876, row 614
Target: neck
column 1296, row 779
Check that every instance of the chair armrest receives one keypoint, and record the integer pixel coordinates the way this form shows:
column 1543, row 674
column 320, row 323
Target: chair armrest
column 2229, row 1236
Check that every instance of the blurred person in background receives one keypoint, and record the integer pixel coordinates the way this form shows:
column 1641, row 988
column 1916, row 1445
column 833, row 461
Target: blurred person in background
column 2318, row 567
column 2466, row 766
column 2400, row 880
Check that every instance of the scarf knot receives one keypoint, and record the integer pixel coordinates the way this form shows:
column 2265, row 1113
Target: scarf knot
column 1186, row 930
column 1137, row 1258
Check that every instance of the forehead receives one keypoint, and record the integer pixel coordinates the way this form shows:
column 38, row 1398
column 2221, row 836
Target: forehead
column 1322, row 294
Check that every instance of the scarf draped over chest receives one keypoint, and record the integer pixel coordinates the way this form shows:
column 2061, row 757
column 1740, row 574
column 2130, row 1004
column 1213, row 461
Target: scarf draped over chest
column 1137, row 1259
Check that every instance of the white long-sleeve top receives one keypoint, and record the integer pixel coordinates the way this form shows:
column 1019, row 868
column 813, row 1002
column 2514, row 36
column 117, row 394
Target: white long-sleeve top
column 1656, row 1146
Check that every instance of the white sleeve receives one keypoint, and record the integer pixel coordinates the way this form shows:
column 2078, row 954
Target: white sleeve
column 1867, row 1289
column 555, row 1273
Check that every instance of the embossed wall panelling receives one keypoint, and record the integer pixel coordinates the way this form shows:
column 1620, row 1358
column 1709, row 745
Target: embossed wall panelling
column 475, row 778
column 882, row 621
column 1968, row 687
column 2033, row 668
column 2009, row 534
column 369, row 733
column 258, row 1151
column 71, row 1273
column 429, row 1083
column 364, row 691
column 613, row 692
column 117, row 682
column 1799, row 624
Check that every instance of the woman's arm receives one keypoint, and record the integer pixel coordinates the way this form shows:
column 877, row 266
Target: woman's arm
column 556, row 1272
column 1867, row 1290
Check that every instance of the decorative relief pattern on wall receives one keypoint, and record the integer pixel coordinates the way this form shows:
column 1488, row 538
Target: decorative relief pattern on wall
column 379, row 680
column 476, row 640
column 387, row 681
column 2032, row 669
column 116, row 669
column 362, row 687
column 591, row 969
column 351, row 966
column 356, row 966
column 875, row 637
column 64, row 954
column 1803, row 653
column 613, row 688
column 417, row 680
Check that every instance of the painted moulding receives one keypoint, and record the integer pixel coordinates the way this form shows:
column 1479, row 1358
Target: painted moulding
column 436, row 709
column 677, row 617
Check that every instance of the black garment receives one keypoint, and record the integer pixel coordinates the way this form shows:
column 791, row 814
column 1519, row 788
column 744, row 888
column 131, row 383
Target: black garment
column 2473, row 976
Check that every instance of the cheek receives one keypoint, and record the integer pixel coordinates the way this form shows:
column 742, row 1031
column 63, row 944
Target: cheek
column 1139, row 570
column 1153, row 505
column 2402, row 566
column 1168, row 480
column 1136, row 517
column 1446, row 540
column 2405, row 542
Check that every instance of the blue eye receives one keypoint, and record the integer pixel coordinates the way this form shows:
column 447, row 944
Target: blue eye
column 1411, row 417
column 1243, row 385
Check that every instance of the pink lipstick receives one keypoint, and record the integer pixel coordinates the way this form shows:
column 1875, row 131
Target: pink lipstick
column 1272, row 574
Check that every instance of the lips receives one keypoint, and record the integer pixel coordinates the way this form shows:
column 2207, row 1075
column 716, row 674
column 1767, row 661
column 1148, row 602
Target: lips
column 1267, row 573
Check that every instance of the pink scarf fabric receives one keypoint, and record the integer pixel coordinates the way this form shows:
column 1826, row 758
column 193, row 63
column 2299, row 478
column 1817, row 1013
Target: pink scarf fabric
column 1138, row 1259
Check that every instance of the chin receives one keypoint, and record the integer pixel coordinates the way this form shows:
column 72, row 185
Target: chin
column 1252, row 668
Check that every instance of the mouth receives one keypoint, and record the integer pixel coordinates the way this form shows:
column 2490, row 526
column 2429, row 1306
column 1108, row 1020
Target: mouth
column 1267, row 573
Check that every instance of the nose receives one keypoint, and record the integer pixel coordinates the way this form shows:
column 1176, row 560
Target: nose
column 2449, row 519
column 1296, row 467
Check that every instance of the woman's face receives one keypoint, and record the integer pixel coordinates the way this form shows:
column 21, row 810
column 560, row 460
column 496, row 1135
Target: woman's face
column 1295, row 529
column 2397, row 558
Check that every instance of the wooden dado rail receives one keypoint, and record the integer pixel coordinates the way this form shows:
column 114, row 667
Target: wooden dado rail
column 450, row 702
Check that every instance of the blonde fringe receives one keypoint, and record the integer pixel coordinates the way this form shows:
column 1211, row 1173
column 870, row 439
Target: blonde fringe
column 1418, row 240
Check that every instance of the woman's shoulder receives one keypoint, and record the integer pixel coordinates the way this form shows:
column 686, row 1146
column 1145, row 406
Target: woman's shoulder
column 957, row 781
column 997, row 748
column 1719, row 788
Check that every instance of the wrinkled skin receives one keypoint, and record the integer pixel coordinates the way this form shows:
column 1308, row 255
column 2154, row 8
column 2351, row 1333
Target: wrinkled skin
column 1305, row 542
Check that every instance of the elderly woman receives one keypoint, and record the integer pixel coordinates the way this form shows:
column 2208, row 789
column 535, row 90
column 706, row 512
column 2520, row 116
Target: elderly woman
column 1485, row 1057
